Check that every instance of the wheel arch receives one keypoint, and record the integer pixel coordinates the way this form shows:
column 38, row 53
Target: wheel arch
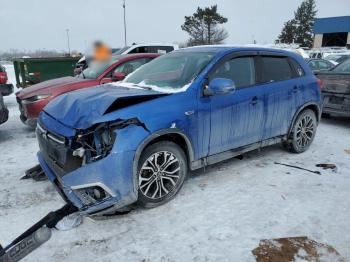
column 311, row 105
column 171, row 134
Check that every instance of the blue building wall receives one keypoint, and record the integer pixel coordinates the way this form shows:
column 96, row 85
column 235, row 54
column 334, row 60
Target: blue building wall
column 332, row 25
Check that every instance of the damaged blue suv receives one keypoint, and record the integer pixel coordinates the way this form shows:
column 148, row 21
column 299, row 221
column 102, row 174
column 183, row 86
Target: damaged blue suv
column 109, row 146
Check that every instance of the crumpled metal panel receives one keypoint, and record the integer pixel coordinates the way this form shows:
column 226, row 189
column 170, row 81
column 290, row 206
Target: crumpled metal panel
column 80, row 109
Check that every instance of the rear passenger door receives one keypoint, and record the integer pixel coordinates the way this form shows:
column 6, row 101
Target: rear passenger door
column 277, row 78
column 237, row 118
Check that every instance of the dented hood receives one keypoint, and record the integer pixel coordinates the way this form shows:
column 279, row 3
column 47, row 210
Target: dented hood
column 81, row 109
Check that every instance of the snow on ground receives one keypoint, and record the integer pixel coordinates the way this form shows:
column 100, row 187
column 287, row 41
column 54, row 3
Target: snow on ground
column 220, row 214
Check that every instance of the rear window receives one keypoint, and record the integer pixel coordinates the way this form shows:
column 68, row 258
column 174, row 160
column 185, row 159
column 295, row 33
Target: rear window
column 343, row 67
column 2, row 69
column 275, row 69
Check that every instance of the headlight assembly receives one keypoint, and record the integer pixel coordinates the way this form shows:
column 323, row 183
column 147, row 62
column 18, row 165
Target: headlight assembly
column 36, row 98
column 95, row 144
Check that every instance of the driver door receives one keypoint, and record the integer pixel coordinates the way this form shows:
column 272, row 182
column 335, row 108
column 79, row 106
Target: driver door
column 236, row 118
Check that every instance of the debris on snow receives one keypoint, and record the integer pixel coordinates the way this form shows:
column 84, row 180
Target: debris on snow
column 293, row 249
column 298, row 167
column 69, row 222
column 333, row 167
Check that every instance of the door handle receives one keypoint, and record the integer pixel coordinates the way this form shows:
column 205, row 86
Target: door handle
column 254, row 100
column 295, row 89
column 189, row 113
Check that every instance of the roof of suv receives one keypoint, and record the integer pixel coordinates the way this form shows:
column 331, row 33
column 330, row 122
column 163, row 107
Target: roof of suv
column 223, row 48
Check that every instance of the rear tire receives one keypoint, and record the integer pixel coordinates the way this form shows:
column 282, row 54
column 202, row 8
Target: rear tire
column 303, row 132
column 162, row 169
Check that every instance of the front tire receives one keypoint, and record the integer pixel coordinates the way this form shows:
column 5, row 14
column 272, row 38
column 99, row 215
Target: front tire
column 303, row 131
column 162, row 169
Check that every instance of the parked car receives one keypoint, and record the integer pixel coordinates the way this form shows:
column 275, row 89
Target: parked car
column 5, row 89
column 133, row 49
column 317, row 65
column 338, row 57
column 4, row 113
column 32, row 100
column 336, row 91
column 109, row 146
column 3, row 75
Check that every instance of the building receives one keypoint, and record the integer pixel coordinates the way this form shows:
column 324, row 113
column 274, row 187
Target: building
column 332, row 31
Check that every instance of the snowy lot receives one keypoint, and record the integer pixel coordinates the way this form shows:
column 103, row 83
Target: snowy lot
column 220, row 214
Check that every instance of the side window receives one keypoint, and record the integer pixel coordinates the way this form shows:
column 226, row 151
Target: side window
column 160, row 49
column 130, row 66
column 298, row 70
column 313, row 65
column 275, row 69
column 241, row 70
column 140, row 49
column 322, row 65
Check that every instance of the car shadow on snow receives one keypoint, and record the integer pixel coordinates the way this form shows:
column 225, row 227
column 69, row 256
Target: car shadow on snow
column 337, row 120
column 257, row 158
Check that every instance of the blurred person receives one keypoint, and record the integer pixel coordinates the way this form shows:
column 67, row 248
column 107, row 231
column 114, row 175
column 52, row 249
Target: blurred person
column 102, row 52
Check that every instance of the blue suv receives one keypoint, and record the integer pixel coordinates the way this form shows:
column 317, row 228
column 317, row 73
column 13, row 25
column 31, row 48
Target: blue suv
column 135, row 141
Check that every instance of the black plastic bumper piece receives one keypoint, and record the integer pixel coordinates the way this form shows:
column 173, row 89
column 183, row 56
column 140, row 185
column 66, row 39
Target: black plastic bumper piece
column 35, row 236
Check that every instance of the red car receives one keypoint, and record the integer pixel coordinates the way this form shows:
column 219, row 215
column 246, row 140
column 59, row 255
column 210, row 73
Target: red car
column 3, row 75
column 32, row 99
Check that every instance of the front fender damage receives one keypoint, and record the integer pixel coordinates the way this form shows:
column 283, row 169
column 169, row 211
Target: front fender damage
column 105, row 182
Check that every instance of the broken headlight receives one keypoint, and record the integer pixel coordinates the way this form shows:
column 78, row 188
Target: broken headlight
column 96, row 143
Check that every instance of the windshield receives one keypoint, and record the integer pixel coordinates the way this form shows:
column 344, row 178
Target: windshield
column 172, row 72
column 332, row 57
column 121, row 51
column 96, row 68
column 343, row 67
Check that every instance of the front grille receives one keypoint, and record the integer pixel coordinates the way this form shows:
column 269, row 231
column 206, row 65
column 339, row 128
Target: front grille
column 57, row 153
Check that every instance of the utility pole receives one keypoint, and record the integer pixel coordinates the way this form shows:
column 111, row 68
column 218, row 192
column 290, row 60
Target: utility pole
column 67, row 30
column 124, row 23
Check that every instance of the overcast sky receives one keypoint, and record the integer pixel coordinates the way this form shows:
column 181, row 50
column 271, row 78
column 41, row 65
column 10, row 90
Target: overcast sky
column 38, row 24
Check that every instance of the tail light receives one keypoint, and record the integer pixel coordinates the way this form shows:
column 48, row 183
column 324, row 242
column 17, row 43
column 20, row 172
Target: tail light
column 320, row 84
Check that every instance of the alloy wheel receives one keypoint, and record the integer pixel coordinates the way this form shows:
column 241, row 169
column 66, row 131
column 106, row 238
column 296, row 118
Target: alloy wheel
column 159, row 175
column 305, row 131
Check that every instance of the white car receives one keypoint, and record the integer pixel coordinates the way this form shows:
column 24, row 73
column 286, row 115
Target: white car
column 338, row 57
column 133, row 49
column 147, row 48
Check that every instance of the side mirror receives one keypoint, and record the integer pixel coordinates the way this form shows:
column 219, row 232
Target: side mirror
column 118, row 76
column 219, row 86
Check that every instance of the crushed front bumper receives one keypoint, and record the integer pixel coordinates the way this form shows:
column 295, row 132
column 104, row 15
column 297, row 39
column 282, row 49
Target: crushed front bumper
column 112, row 174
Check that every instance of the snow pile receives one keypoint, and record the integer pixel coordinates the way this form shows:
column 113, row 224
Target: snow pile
column 143, row 85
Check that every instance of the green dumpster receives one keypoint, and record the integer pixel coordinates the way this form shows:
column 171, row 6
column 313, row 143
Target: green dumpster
column 31, row 71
